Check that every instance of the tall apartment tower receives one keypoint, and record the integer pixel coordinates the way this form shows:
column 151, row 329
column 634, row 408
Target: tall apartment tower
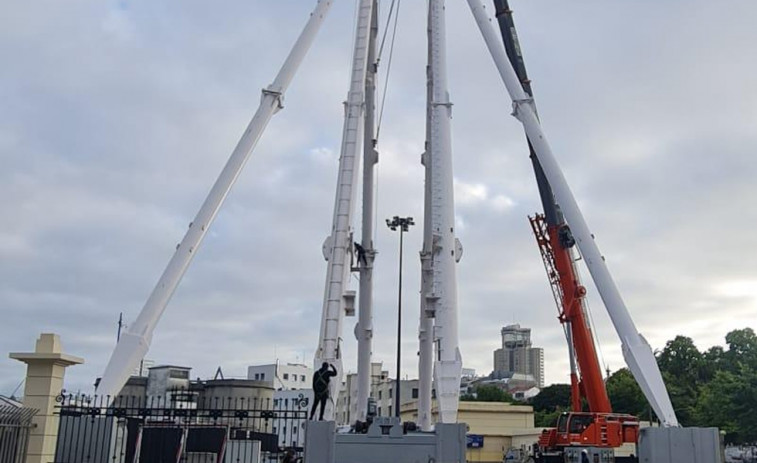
column 517, row 355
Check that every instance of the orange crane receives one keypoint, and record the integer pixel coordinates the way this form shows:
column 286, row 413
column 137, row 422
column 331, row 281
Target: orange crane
column 596, row 432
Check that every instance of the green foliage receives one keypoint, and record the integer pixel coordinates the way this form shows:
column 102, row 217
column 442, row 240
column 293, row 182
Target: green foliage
column 729, row 402
column 717, row 387
column 681, row 359
column 487, row 393
column 742, row 350
column 546, row 419
column 551, row 398
column 625, row 394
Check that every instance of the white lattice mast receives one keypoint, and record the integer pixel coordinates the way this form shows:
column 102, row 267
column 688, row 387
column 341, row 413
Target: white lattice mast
column 337, row 249
column 135, row 341
column 636, row 351
column 364, row 328
column 442, row 301
column 426, row 324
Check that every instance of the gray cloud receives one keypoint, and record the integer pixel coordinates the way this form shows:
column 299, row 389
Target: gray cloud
column 117, row 118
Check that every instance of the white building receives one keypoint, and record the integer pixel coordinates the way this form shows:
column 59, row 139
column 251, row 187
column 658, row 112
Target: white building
column 293, row 396
column 283, row 376
column 382, row 391
column 291, row 406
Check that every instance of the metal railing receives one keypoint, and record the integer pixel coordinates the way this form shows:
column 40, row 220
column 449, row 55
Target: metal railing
column 180, row 427
column 15, row 425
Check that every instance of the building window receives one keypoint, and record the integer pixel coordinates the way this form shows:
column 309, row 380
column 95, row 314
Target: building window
column 390, row 410
column 379, row 399
column 302, row 378
column 262, row 376
column 286, row 375
column 379, row 411
column 179, row 374
column 390, row 393
column 415, row 393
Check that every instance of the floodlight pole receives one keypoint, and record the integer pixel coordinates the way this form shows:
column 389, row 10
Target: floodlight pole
column 403, row 223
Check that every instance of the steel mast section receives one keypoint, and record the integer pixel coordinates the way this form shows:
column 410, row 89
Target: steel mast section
column 365, row 258
column 636, row 350
column 445, row 252
column 135, row 342
column 337, row 249
column 426, row 325
column 555, row 243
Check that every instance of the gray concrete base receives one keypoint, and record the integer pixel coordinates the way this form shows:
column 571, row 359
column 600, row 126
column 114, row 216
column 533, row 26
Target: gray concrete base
column 385, row 442
column 679, row 445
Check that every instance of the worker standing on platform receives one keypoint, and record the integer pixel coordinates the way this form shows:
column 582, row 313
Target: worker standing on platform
column 321, row 380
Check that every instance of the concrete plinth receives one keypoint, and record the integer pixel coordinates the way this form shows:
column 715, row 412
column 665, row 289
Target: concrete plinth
column 679, row 445
column 45, row 369
column 385, row 442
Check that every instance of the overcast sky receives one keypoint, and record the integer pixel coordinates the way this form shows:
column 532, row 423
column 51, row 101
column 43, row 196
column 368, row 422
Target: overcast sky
column 117, row 116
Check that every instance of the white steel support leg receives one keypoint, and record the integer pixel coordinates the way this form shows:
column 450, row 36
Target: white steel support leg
column 443, row 298
column 426, row 320
column 364, row 328
column 637, row 352
column 338, row 246
column 135, row 342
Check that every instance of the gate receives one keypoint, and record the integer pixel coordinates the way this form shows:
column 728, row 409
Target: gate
column 15, row 425
column 182, row 428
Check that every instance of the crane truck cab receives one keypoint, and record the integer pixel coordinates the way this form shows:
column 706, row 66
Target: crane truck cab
column 578, row 430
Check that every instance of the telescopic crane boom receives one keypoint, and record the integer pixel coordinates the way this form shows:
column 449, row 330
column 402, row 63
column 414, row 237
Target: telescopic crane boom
column 556, row 241
column 337, row 249
column 636, row 350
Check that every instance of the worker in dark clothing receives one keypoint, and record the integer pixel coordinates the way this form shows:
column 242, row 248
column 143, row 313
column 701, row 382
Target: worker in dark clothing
column 360, row 254
column 321, row 379
column 289, row 457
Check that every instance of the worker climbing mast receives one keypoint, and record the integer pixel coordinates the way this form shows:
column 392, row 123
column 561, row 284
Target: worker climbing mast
column 441, row 300
column 556, row 241
column 337, row 249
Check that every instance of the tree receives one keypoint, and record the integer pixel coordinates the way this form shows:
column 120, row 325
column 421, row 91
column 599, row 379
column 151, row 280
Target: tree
column 547, row 419
column 681, row 359
column 682, row 369
column 712, row 360
column 487, row 393
column 742, row 349
column 551, row 398
column 729, row 402
column 625, row 394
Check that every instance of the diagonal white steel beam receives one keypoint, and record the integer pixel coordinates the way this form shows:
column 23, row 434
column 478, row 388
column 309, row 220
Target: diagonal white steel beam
column 135, row 342
column 636, row 350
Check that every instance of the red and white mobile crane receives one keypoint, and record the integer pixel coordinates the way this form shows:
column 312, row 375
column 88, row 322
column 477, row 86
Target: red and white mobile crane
column 597, row 431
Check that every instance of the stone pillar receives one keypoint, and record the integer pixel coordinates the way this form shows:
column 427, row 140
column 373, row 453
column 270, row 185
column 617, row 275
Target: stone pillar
column 45, row 369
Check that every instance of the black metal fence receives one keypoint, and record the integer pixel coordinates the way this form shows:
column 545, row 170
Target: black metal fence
column 15, row 425
column 179, row 428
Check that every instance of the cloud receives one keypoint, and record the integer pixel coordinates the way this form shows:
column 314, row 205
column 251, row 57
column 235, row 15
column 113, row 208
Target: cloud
column 117, row 120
